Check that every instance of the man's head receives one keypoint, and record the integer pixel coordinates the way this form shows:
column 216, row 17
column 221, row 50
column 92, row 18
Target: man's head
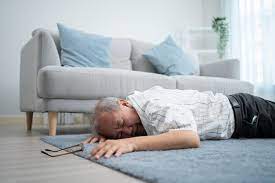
column 117, row 118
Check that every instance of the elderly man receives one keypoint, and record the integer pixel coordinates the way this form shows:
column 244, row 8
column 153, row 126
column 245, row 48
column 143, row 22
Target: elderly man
column 162, row 119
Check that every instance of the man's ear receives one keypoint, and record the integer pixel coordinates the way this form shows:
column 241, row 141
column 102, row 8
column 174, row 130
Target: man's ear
column 125, row 103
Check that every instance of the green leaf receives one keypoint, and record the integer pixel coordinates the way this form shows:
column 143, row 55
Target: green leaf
column 220, row 26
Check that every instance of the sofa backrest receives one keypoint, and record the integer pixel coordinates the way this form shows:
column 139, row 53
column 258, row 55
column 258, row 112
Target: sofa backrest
column 140, row 63
column 120, row 50
column 125, row 53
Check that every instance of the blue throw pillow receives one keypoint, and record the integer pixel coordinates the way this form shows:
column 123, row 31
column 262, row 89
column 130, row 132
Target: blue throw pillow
column 80, row 49
column 169, row 59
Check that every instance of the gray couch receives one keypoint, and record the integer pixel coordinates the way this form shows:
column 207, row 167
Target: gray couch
column 46, row 86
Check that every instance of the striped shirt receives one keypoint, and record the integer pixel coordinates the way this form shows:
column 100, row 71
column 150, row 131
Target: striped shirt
column 162, row 110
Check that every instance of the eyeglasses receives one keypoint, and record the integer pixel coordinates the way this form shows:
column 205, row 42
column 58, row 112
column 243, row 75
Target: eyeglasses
column 70, row 150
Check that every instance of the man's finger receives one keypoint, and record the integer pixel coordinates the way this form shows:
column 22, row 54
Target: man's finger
column 102, row 140
column 95, row 139
column 101, row 153
column 87, row 140
column 110, row 152
column 118, row 153
column 95, row 150
column 98, row 148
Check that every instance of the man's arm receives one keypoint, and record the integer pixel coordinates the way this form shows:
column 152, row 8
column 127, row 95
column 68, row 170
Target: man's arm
column 176, row 139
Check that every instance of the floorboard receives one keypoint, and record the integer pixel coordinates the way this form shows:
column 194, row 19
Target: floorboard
column 21, row 160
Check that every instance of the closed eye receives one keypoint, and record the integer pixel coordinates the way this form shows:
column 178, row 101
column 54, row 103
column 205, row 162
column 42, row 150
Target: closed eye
column 119, row 135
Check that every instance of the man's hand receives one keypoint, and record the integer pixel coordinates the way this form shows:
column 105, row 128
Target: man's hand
column 94, row 139
column 110, row 147
column 174, row 139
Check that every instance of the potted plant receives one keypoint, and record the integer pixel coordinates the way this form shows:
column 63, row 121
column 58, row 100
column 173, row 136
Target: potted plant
column 220, row 26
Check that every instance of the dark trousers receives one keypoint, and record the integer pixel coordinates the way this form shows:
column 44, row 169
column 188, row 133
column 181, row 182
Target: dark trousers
column 254, row 116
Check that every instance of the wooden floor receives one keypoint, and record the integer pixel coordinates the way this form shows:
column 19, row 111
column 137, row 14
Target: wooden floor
column 21, row 160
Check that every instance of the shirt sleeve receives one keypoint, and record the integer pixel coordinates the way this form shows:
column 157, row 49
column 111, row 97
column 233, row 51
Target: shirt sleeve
column 165, row 117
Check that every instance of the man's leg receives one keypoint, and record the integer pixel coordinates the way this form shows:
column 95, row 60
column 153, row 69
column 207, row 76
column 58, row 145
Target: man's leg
column 258, row 116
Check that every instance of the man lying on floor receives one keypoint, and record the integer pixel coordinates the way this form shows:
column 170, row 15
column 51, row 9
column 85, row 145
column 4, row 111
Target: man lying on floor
column 162, row 119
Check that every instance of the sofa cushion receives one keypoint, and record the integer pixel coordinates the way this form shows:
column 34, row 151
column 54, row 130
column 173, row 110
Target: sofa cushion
column 169, row 59
column 81, row 49
column 215, row 84
column 140, row 63
column 93, row 83
column 120, row 49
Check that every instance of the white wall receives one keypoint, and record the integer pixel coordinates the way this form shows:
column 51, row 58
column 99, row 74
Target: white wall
column 211, row 8
column 149, row 20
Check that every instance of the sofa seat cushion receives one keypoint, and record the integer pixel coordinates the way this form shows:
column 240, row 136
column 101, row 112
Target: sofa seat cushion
column 215, row 84
column 93, row 83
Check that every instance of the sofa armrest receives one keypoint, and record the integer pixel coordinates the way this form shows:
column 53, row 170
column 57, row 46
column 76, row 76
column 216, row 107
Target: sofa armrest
column 229, row 68
column 38, row 52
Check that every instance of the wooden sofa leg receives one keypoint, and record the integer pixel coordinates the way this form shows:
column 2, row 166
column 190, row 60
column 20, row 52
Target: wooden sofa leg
column 52, row 116
column 29, row 117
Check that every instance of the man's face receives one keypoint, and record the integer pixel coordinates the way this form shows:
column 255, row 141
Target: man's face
column 120, row 124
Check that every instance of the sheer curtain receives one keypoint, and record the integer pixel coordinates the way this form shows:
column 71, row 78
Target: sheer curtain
column 252, row 40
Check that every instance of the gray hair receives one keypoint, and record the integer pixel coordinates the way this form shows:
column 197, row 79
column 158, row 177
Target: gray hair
column 108, row 104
